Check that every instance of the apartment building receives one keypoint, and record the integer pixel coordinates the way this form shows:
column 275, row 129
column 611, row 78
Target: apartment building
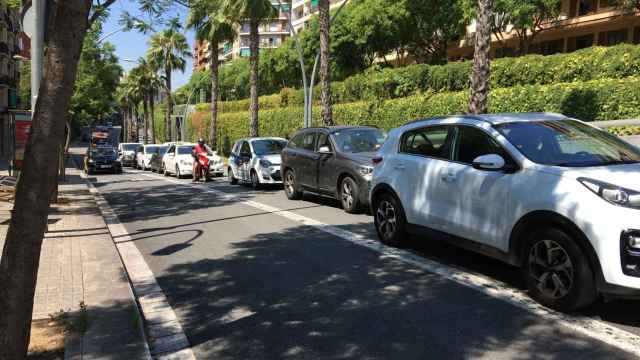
column 272, row 34
column 581, row 24
column 303, row 10
column 10, row 47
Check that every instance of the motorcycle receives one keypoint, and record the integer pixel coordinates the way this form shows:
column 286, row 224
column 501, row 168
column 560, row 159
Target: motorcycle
column 203, row 161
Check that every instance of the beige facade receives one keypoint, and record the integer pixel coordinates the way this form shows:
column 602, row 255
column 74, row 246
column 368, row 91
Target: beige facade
column 272, row 34
column 582, row 23
column 303, row 10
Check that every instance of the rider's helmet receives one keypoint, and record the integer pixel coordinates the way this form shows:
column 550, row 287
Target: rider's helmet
column 201, row 142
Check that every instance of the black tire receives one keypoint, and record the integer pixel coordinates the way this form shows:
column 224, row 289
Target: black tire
column 178, row 174
column 291, row 188
column 554, row 282
column 389, row 220
column 349, row 195
column 164, row 171
column 255, row 181
column 232, row 179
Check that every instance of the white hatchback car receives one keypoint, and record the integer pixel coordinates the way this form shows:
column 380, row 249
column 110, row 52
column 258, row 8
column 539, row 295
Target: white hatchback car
column 555, row 196
column 256, row 161
column 144, row 154
column 178, row 160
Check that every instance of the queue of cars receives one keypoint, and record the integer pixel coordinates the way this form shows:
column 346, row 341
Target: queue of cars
column 554, row 196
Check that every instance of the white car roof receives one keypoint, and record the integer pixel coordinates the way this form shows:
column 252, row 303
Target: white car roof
column 494, row 119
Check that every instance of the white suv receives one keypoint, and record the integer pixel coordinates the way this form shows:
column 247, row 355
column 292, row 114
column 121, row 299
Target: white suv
column 553, row 195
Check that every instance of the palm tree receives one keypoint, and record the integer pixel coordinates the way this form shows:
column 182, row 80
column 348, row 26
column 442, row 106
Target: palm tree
column 211, row 24
column 252, row 12
column 147, row 83
column 324, row 20
column 481, row 70
column 167, row 51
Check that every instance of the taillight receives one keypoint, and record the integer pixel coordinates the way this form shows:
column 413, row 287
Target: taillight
column 376, row 160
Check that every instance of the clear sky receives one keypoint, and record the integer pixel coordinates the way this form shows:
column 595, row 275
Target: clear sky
column 133, row 45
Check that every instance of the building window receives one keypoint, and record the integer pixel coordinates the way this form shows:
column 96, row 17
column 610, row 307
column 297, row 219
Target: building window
column 586, row 7
column 580, row 42
column 551, row 47
column 610, row 38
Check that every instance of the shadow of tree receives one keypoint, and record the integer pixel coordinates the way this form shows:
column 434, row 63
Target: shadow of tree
column 580, row 104
column 300, row 294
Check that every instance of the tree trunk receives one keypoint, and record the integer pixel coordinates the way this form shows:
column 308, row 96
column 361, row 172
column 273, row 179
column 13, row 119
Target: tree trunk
column 168, row 129
column 480, row 73
column 152, row 108
column 325, row 75
column 145, row 119
column 67, row 26
column 254, row 59
column 213, row 132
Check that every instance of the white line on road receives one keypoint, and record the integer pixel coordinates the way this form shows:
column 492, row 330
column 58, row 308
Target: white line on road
column 593, row 328
column 158, row 313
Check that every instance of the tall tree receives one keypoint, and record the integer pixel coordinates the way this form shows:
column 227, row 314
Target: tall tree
column 67, row 26
column 481, row 70
column 252, row 12
column 168, row 50
column 324, row 18
column 211, row 24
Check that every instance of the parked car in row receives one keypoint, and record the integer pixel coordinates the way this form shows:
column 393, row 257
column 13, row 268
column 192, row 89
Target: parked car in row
column 256, row 161
column 101, row 159
column 178, row 160
column 127, row 153
column 155, row 164
column 334, row 161
column 555, row 196
column 143, row 156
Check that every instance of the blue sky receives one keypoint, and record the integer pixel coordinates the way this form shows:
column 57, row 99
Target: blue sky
column 133, row 45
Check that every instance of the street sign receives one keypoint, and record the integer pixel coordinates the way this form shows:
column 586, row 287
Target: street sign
column 23, row 129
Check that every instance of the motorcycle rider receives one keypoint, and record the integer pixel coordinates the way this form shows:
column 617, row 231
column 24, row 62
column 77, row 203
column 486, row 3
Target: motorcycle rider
column 199, row 149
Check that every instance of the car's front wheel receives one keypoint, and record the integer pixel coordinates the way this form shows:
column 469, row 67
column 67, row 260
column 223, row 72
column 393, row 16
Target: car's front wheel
column 232, row 179
column 349, row 195
column 255, row 181
column 178, row 174
column 389, row 220
column 291, row 186
column 557, row 271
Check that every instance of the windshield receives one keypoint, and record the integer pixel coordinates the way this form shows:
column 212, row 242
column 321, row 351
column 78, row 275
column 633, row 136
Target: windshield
column 150, row 149
column 568, row 143
column 359, row 140
column 162, row 150
column 130, row 147
column 102, row 152
column 184, row 150
column 268, row 147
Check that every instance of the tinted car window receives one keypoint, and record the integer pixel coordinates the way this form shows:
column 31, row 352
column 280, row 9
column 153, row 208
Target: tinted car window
column 472, row 142
column 296, row 142
column 184, row 150
column 162, row 150
column 309, row 141
column 323, row 140
column 150, row 149
column 129, row 147
column 268, row 146
column 245, row 149
column 433, row 141
column 568, row 143
column 359, row 140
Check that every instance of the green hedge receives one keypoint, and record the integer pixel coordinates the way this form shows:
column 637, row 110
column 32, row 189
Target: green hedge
column 375, row 84
column 625, row 130
column 593, row 100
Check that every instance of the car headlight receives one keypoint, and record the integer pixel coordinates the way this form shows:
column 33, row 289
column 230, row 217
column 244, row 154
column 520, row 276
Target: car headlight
column 265, row 163
column 365, row 170
column 612, row 193
column 90, row 161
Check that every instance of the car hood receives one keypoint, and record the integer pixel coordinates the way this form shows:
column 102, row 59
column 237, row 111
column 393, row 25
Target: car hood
column 363, row 158
column 275, row 159
column 626, row 176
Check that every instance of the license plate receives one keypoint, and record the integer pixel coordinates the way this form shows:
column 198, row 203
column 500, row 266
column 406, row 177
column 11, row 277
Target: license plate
column 105, row 166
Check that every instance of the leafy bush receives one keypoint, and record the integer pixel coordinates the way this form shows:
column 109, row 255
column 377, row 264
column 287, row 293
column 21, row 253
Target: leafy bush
column 625, row 130
column 380, row 84
column 593, row 100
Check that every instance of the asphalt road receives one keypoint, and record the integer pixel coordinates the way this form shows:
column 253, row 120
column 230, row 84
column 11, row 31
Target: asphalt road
column 247, row 283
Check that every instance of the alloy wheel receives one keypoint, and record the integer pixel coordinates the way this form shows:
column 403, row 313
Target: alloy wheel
column 347, row 194
column 386, row 218
column 289, row 182
column 551, row 268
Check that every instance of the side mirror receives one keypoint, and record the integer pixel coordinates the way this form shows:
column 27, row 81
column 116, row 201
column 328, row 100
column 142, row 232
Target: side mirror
column 324, row 150
column 491, row 162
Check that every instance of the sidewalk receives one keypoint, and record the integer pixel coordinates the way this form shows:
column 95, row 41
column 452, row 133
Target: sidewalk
column 79, row 263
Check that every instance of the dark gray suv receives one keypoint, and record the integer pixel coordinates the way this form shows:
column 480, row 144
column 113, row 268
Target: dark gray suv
column 336, row 161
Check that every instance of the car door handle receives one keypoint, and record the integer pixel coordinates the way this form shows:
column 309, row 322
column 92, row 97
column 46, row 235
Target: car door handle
column 449, row 177
column 399, row 166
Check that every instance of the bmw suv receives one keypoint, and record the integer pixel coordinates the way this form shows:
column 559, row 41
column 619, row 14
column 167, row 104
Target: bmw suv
column 555, row 196
column 334, row 161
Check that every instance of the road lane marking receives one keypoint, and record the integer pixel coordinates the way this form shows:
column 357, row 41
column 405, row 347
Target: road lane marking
column 590, row 327
column 158, row 313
